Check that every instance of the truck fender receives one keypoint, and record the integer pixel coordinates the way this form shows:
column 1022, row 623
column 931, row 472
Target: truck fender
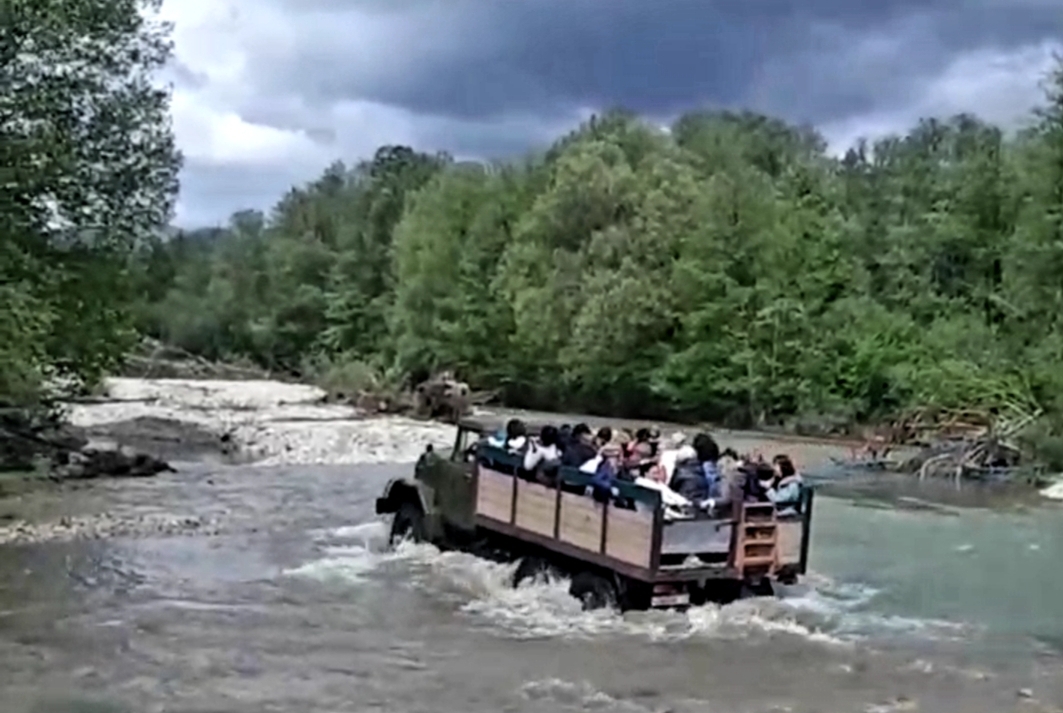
column 398, row 491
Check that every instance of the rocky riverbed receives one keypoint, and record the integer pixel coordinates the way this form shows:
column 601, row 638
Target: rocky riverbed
column 191, row 421
column 267, row 423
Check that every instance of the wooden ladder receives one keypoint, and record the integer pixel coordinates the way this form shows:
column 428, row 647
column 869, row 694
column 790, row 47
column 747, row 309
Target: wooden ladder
column 757, row 545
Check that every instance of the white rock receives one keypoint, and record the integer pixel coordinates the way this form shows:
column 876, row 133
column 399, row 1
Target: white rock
column 279, row 423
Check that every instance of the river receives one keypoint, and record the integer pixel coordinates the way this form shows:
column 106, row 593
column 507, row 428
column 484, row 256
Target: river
column 296, row 606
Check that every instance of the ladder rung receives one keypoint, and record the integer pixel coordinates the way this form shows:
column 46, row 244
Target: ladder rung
column 758, row 546
column 771, row 527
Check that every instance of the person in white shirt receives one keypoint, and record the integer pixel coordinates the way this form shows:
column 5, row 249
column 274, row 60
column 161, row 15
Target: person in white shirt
column 546, row 453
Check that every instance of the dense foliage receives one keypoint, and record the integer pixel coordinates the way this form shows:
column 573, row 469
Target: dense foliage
column 729, row 267
column 87, row 169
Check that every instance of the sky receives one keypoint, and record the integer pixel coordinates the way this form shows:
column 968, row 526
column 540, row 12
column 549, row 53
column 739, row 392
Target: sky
column 267, row 93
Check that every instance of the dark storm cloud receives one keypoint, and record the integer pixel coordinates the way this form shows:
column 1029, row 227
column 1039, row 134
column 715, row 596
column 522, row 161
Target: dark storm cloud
column 496, row 78
column 814, row 60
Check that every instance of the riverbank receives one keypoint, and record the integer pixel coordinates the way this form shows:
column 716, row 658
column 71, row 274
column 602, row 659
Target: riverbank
column 271, row 423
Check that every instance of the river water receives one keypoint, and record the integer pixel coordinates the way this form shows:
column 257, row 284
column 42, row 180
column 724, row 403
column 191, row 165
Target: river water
column 918, row 601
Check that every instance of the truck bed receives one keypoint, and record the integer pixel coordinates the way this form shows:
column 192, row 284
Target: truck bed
column 638, row 543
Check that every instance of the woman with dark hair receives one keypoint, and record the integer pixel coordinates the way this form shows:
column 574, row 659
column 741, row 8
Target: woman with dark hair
column 545, row 454
column 514, row 438
column 785, row 489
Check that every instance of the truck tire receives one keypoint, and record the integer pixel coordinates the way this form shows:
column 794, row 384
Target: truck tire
column 594, row 591
column 763, row 588
column 531, row 569
column 408, row 523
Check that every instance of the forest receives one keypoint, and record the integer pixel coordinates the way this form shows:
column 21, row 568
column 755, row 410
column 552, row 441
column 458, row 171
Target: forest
column 727, row 268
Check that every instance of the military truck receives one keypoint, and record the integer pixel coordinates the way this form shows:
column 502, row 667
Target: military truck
column 625, row 553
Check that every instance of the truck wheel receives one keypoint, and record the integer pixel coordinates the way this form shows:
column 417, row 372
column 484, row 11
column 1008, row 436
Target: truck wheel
column 408, row 523
column 763, row 588
column 531, row 569
column 593, row 591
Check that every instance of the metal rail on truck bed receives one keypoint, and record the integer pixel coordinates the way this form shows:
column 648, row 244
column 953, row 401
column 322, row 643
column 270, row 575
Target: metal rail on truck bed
column 750, row 540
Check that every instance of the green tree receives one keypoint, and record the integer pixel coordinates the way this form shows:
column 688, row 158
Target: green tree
column 90, row 169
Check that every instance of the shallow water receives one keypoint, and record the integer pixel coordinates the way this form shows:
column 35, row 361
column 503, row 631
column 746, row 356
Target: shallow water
column 917, row 601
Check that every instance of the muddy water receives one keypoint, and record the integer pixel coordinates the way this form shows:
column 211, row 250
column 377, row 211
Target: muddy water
column 297, row 607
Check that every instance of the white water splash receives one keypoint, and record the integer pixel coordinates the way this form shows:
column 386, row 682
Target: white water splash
column 1054, row 491
column 821, row 610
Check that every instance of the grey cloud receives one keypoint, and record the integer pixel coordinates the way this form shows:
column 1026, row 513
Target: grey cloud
column 488, row 58
column 493, row 78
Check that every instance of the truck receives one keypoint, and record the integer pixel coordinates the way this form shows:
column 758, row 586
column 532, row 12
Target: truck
column 626, row 553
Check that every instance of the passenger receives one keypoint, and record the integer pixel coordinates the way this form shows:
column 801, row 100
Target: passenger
column 673, row 503
column 644, row 437
column 757, row 479
column 564, row 436
column 719, row 489
column 669, row 455
column 730, row 465
column 640, row 458
column 657, row 474
column 606, row 471
column 654, row 439
column 688, row 479
column 605, row 435
column 514, row 439
column 544, row 455
column 580, row 449
column 785, row 488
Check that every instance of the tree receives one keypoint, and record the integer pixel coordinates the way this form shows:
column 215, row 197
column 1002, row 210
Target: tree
column 91, row 170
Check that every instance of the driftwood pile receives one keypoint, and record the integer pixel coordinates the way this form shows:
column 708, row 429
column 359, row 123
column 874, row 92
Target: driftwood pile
column 959, row 445
column 440, row 397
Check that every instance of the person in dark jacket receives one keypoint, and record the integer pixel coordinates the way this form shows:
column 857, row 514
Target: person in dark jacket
column 717, row 487
column 689, row 478
column 580, row 449
column 757, row 478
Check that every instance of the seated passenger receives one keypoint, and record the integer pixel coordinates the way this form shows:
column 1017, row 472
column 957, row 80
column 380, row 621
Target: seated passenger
column 514, row 439
column 673, row 503
column 640, row 458
column 564, row 437
column 688, row 478
column 729, row 464
column 605, row 435
column 785, row 488
column 544, row 457
column 756, row 479
column 606, row 469
column 669, row 455
column 580, row 449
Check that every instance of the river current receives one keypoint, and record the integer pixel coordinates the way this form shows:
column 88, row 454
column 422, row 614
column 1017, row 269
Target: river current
column 918, row 600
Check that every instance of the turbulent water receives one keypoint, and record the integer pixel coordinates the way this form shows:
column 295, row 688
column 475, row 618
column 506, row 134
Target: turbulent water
column 298, row 607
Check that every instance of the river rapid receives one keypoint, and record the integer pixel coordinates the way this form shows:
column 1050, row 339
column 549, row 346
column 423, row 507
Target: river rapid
column 920, row 598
